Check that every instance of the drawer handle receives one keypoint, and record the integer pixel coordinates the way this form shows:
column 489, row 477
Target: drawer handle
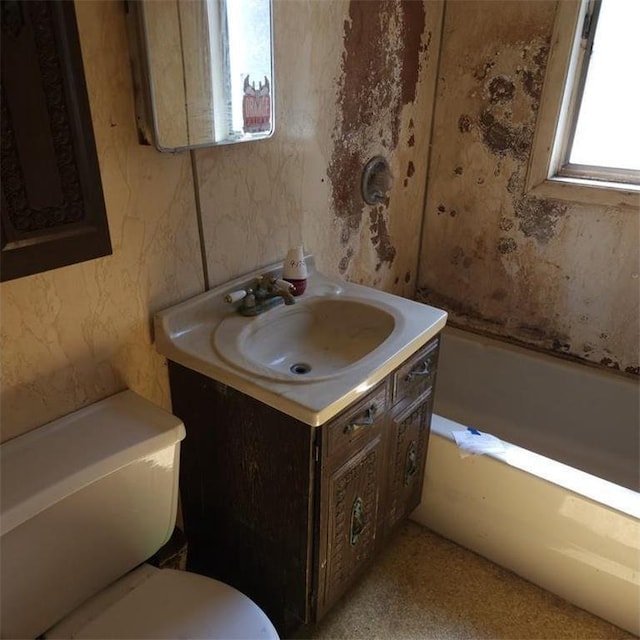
column 422, row 370
column 368, row 418
column 357, row 520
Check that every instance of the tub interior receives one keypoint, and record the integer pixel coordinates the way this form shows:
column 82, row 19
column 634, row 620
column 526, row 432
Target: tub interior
column 578, row 415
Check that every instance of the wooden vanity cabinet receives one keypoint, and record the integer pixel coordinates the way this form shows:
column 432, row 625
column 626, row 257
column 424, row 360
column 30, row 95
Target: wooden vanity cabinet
column 290, row 514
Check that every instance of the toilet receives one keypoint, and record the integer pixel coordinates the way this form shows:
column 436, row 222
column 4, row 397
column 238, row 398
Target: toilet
column 85, row 500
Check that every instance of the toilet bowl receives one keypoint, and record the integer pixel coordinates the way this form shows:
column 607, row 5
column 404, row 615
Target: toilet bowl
column 166, row 603
column 85, row 500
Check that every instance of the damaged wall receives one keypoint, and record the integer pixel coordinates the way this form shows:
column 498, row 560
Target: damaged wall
column 553, row 275
column 353, row 80
column 77, row 334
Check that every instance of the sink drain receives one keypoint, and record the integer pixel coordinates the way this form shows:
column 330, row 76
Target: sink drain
column 300, row 368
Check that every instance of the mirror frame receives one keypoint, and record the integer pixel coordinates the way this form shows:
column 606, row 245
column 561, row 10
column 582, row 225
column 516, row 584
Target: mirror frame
column 143, row 78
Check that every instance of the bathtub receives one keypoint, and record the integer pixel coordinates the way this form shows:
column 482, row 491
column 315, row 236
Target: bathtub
column 560, row 504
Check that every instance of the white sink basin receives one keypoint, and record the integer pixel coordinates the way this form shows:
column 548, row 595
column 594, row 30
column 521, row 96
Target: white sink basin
column 309, row 360
column 316, row 339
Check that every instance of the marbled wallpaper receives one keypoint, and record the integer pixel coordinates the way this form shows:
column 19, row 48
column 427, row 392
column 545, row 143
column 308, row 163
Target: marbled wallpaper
column 353, row 80
column 552, row 275
column 77, row 334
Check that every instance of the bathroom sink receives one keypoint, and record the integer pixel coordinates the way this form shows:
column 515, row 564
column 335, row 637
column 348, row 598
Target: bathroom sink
column 309, row 360
column 316, row 339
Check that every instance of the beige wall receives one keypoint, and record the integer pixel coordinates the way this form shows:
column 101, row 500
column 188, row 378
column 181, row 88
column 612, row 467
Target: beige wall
column 77, row 334
column 554, row 275
column 352, row 81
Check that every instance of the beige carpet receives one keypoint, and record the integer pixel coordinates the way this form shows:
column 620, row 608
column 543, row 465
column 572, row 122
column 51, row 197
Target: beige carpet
column 423, row 586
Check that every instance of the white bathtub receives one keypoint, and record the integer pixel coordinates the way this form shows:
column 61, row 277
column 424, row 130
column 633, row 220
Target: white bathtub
column 562, row 509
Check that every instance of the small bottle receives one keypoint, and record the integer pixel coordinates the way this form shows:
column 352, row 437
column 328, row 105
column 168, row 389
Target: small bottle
column 295, row 270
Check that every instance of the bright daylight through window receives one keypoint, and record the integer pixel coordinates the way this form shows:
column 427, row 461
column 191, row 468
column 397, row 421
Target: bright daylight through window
column 607, row 132
column 587, row 142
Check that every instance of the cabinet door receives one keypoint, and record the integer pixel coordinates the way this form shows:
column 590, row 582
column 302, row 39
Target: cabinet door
column 350, row 510
column 409, row 437
column 52, row 209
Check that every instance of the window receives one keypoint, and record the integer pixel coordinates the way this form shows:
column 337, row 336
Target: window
column 587, row 142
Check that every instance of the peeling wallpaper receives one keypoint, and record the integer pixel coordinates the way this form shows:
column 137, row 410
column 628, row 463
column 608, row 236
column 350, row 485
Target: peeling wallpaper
column 553, row 275
column 353, row 80
column 379, row 68
column 74, row 335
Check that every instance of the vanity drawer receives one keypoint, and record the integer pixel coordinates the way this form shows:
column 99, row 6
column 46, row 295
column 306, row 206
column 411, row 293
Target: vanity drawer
column 417, row 374
column 352, row 428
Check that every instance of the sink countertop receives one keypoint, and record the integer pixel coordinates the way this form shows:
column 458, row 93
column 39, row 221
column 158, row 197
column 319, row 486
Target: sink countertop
column 185, row 334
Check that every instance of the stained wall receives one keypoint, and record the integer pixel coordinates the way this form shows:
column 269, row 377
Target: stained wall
column 553, row 275
column 353, row 80
column 77, row 334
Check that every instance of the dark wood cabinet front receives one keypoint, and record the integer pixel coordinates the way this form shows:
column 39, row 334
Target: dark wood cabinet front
column 52, row 209
column 409, row 437
column 290, row 514
column 353, row 501
column 352, row 484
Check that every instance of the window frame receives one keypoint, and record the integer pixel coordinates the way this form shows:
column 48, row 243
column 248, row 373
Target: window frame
column 549, row 175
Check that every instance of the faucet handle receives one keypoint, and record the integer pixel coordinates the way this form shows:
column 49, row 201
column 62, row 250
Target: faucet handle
column 284, row 285
column 235, row 296
column 268, row 283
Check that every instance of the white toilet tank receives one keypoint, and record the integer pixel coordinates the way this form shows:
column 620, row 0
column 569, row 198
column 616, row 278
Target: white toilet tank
column 84, row 499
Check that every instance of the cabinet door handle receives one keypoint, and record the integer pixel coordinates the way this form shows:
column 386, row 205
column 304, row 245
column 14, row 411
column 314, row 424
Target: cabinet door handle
column 357, row 520
column 422, row 370
column 411, row 463
column 367, row 419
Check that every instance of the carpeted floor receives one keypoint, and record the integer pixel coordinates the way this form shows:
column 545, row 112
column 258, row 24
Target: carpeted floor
column 423, row 586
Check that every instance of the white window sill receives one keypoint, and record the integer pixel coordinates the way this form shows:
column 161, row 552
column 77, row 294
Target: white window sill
column 609, row 194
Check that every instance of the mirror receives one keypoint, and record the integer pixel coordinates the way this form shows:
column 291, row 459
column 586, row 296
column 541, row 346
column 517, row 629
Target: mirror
column 203, row 71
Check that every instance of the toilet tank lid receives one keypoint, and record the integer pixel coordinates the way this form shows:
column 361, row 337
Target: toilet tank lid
column 43, row 466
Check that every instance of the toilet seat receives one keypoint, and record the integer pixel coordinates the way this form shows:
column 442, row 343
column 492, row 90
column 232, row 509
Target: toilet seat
column 166, row 603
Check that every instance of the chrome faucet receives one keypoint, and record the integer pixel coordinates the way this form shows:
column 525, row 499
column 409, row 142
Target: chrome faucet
column 267, row 293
